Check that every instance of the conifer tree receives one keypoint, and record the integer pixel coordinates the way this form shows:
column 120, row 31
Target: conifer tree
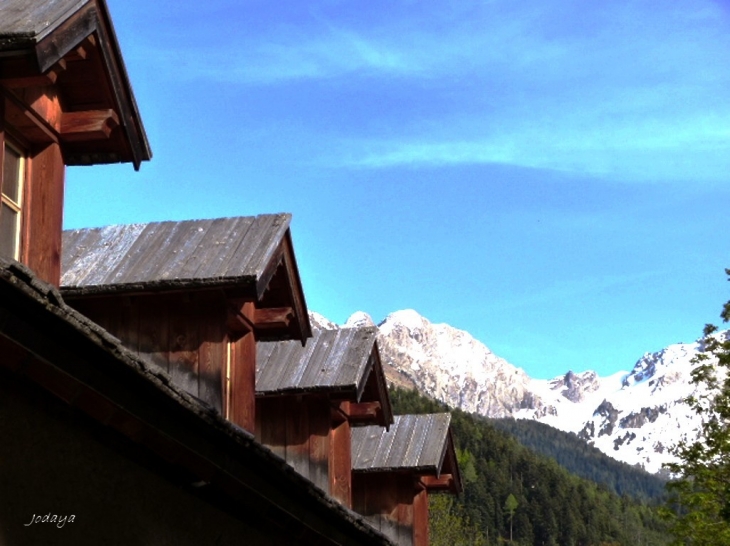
column 700, row 498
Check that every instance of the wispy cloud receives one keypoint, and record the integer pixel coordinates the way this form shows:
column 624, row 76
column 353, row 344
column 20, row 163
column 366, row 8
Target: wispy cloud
column 697, row 149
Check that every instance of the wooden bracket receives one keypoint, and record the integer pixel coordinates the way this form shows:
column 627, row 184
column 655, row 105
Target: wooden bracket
column 365, row 412
column 274, row 318
column 444, row 482
column 19, row 74
column 88, row 125
column 240, row 319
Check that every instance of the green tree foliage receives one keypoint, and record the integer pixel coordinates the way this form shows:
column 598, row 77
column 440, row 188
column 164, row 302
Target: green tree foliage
column 555, row 508
column 699, row 505
column 584, row 460
column 449, row 524
column 510, row 505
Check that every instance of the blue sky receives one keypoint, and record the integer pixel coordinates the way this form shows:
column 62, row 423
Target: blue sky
column 551, row 176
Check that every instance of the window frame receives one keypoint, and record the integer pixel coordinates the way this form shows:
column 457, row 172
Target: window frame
column 16, row 205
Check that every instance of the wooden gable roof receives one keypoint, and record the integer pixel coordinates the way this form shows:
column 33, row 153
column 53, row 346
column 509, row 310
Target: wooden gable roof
column 248, row 257
column 50, row 345
column 420, row 444
column 71, row 45
column 343, row 362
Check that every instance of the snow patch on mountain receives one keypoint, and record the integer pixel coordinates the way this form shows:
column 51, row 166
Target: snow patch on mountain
column 634, row 416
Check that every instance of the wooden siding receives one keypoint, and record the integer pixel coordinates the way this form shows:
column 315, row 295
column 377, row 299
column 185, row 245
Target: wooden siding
column 298, row 430
column 43, row 189
column 388, row 501
column 184, row 335
column 43, row 213
column 340, row 462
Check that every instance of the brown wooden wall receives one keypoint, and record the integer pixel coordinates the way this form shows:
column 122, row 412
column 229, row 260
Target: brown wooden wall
column 43, row 213
column 298, row 430
column 43, row 190
column 183, row 334
column 394, row 505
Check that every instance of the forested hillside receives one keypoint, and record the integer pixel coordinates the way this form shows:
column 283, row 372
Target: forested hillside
column 579, row 458
column 548, row 505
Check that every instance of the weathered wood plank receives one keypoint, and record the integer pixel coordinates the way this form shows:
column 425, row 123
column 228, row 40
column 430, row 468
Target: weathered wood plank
column 340, row 466
column 212, row 351
column 243, row 371
column 297, row 435
column 154, row 329
column 319, row 444
column 183, row 338
column 42, row 222
column 420, row 519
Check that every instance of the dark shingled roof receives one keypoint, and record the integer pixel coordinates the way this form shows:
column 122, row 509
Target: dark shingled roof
column 172, row 255
column 414, row 442
column 83, row 365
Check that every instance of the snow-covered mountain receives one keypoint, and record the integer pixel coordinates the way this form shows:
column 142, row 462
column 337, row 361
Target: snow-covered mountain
column 633, row 416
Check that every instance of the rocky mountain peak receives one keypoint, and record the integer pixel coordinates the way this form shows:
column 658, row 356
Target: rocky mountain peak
column 632, row 416
column 359, row 319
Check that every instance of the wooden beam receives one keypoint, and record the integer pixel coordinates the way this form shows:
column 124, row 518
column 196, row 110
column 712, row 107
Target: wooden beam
column 241, row 317
column 274, row 318
column 43, row 131
column 21, row 73
column 88, row 125
column 365, row 412
column 444, row 482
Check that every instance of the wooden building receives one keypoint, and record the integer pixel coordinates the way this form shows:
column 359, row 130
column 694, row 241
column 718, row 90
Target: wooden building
column 65, row 99
column 194, row 297
column 309, row 397
column 395, row 470
column 100, row 446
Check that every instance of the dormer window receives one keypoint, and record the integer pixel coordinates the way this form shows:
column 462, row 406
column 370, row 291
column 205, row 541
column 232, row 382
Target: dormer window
column 11, row 195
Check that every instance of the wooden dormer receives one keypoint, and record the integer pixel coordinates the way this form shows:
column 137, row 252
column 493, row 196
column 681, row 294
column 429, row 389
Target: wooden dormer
column 395, row 470
column 308, row 399
column 194, row 297
column 65, row 99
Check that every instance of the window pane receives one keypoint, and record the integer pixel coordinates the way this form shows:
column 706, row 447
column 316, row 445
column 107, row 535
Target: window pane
column 8, row 232
column 11, row 174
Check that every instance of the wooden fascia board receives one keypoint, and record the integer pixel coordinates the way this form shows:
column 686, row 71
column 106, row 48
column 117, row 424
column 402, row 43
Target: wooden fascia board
column 382, row 385
column 284, row 255
column 451, row 463
column 78, row 362
column 121, row 88
column 298, row 302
